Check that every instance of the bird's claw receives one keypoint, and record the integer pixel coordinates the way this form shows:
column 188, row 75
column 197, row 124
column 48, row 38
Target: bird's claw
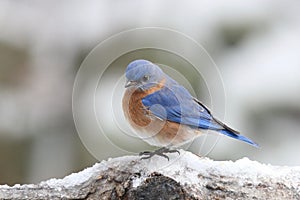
column 160, row 152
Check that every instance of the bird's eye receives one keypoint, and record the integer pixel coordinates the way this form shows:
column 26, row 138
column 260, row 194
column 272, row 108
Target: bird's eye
column 146, row 78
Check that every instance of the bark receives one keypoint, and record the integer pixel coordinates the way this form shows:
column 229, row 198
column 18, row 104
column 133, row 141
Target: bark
column 183, row 177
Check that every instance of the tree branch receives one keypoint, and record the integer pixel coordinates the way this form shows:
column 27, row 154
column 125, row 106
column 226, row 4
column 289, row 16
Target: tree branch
column 185, row 177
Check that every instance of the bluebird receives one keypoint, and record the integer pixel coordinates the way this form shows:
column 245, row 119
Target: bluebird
column 163, row 113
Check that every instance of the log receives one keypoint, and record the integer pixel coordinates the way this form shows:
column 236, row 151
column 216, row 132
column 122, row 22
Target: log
column 186, row 176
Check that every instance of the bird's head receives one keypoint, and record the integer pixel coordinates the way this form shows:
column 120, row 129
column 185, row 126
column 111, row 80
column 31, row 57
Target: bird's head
column 143, row 74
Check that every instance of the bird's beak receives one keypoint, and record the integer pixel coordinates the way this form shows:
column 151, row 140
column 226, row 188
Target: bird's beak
column 130, row 83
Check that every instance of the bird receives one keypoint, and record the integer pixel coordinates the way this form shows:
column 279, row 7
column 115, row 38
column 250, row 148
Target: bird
column 163, row 113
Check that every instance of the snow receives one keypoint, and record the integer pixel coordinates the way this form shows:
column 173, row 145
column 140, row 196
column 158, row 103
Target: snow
column 186, row 168
column 75, row 178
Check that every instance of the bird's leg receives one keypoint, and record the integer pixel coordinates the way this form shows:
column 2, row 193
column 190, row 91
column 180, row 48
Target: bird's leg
column 160, row 152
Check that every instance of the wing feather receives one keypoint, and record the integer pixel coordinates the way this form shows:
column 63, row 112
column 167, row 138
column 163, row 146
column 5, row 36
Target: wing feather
column 177, row 105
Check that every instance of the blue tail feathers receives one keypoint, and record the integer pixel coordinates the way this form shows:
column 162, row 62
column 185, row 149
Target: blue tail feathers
column 238, row 137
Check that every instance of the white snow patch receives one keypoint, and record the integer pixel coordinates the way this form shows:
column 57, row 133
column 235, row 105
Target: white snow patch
column 186, row 168
column 138, row 181
column 75, row 178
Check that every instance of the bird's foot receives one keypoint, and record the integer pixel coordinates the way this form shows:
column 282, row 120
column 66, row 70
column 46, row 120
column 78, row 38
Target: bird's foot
column 160, row 152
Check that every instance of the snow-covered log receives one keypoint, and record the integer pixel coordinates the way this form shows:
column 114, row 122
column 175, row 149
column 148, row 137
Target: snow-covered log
column 183, row 177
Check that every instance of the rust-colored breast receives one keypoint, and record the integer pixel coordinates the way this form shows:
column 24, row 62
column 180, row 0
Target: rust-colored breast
column 159, row 132
column 133, row 108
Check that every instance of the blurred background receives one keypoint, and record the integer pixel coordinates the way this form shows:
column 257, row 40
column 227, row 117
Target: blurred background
column 255, row 45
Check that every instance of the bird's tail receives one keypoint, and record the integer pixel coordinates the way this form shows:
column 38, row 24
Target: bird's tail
column 234, row 134
column 238, row 137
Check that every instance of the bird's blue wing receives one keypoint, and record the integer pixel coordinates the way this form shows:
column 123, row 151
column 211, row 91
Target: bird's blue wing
column 177, row 105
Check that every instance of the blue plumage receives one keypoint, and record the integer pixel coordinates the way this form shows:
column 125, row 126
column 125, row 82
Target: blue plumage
column 238, row 137
column 172, row 102
column 181, row 109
